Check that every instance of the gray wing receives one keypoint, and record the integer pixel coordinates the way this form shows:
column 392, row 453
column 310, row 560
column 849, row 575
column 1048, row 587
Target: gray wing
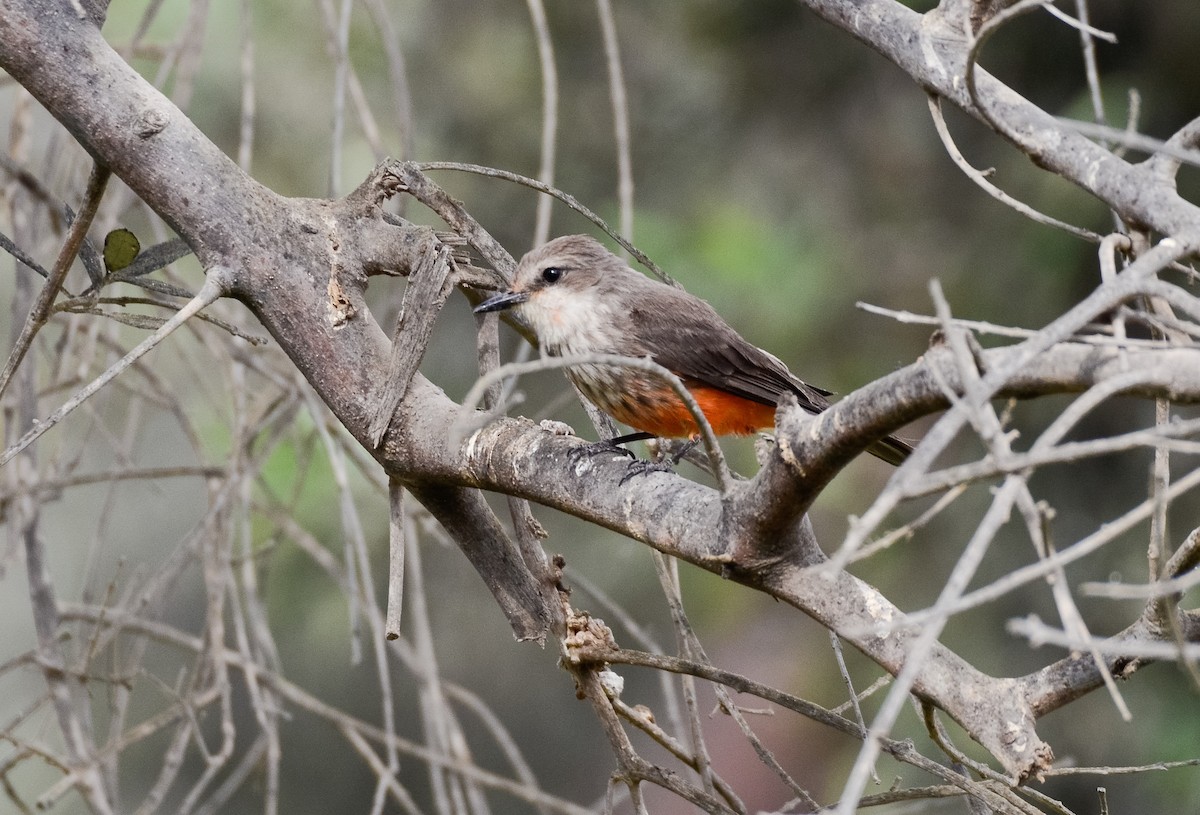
column 683, row 333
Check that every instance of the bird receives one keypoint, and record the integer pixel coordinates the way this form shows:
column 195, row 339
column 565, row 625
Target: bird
column 580, row 298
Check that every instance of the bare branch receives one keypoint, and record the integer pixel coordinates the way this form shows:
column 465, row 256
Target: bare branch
column 41, row 307
column 215, row 286
column 428, row 288
column 545, row 48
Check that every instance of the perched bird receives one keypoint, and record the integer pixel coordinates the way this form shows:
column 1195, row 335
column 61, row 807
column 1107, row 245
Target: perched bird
column 580, row 298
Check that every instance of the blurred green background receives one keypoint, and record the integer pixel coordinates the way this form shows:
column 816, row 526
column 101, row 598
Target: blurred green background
column 784, row 172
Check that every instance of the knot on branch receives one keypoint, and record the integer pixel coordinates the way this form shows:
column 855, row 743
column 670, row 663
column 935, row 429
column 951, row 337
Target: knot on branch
column 150, row 122
column 381, row 183
column 585, row 633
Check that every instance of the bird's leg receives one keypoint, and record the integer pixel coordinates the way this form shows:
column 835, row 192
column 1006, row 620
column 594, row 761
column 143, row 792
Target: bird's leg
column 628, row 437
column 687, row 447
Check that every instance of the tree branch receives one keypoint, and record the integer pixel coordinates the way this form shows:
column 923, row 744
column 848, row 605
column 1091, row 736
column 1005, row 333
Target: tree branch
column 301, row 266
column 933, row 50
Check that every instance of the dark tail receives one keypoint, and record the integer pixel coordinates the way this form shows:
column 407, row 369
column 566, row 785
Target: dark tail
column 891, row 449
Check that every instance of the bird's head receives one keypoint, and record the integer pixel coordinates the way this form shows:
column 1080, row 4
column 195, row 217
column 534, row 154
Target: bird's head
column 561, row 283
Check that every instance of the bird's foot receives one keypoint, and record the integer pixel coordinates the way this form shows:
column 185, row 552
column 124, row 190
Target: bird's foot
column 641, row 466
column 596, row 448
column 664, row 462
column 660, row 464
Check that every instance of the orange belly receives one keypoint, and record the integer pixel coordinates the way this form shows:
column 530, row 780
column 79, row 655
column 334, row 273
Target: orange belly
column 666, row 416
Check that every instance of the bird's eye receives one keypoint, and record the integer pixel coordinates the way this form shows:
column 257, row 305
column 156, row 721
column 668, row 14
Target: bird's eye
column 552, row 274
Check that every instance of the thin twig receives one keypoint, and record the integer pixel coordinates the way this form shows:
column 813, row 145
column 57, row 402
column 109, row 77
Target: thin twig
column 397, row 73
column 1038, row 633
column 396, row 523
column 620, row 109
column 245, row 152
column 85, row 775
column 339, row 45
column 215, row 285
column 685, row 640
column 1087, row 41
column 1134, row 141
column 980, row 179
column 1142, row 768
column 1135, row 280
column 835, row 643
column 545, row 49
column 567, row 199
column 1105, row 534
column 66, row 256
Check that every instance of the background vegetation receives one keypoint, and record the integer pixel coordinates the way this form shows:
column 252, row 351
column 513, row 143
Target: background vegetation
column 783, row 171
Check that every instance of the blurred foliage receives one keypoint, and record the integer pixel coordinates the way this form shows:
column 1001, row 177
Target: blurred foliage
column 784, row 172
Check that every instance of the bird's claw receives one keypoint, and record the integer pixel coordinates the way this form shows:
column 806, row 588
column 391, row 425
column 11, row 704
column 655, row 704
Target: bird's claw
column 636, row 467
column 596, row 448
column 641, row 466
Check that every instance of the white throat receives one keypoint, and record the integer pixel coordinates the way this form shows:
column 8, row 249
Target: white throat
column 569, row 323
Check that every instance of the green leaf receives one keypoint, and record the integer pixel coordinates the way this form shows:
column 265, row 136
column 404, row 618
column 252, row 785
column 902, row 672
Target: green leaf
column 121, row 247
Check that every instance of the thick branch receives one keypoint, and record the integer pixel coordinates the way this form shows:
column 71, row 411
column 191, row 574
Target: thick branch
column 1062, row 682
column 467, row 517
column 811, row 450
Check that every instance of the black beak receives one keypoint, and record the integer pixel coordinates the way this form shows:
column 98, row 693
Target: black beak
column 501, row 301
